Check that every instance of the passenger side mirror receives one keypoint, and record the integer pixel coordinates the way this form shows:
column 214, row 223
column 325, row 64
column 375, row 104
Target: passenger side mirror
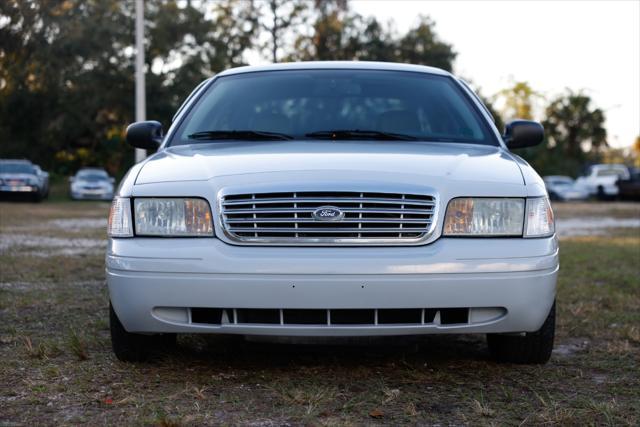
column 523, row 133
column 146, row 135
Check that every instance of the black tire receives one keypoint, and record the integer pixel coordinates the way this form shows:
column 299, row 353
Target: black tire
column 531, row 348
column 131, row 347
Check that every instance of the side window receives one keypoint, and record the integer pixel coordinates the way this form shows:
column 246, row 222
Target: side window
column 186, row 101
column 477, row 98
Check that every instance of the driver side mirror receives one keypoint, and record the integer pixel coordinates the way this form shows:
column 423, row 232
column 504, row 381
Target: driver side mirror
column 146, row 135
column 523, row 133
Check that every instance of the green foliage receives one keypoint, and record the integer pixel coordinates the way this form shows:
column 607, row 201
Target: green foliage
column 575, row 136
column 67, row 67
column 519, row 101
column 66, row 72
column 339, row 34
column 280, row 19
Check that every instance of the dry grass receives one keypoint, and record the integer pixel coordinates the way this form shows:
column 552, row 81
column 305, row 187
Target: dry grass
column 58, row 367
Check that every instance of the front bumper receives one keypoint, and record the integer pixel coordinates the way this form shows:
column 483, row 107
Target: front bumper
column 508, row 285
column 91, row 195
column 19, row 189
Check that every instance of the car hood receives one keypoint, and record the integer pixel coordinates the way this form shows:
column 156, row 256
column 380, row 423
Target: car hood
column 451, row 161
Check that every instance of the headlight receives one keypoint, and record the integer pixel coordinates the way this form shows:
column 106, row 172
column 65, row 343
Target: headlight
column 539, row 221
column 172, row 217
column 484, row 217
column 120, row 218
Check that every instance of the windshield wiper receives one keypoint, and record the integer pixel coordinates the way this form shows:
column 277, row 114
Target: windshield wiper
column 240, row 135
column 360, row 134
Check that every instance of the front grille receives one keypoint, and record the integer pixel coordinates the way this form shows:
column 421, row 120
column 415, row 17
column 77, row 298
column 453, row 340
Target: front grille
column 365, row 217
column 330, row 317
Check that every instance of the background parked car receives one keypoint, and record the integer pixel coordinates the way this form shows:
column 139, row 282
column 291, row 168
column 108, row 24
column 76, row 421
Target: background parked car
column 24, row 178
column 564, row 188
column 91, row 183
column 629, row 189
column 600, row 180
column 44, row 177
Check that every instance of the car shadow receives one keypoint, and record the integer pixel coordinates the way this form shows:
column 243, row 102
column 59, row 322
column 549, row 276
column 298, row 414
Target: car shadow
column 259, row 352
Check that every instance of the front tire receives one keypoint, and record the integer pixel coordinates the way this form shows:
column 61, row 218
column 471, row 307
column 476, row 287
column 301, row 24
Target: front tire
column 532, row 348
column 131, row 347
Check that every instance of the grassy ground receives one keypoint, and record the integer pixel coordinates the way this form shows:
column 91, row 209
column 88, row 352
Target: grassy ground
column 57, row 366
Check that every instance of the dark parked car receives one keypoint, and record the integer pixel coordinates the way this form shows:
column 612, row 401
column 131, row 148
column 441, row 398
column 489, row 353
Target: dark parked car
column 21, row 177
column 629, row 189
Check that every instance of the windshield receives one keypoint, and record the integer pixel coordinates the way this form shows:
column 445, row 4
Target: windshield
column 334, row 104
column 16, row 168
column 92, row 175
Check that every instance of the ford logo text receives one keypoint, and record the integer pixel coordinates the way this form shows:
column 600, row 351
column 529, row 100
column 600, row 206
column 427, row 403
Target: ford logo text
column 328, row 213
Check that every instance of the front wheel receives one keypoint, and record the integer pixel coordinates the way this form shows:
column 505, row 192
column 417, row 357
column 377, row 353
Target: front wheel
column 131, row 347
column 530, row 348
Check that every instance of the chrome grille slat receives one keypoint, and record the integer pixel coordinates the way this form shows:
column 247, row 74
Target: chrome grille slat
column 367, row 218
column 310, row 210
column 325, row 230
column 312, row 221
column 325, row 200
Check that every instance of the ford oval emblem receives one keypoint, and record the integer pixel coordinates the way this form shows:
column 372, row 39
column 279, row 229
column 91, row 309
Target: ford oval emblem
column 327, row 213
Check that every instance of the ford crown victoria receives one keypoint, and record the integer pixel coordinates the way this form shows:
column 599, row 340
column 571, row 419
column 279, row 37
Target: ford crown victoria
column 333, row 199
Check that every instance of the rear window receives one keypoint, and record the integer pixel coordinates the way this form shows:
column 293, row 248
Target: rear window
column 424, row 106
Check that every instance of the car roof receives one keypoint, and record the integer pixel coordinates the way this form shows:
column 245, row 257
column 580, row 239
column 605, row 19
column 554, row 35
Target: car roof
column 336, row 65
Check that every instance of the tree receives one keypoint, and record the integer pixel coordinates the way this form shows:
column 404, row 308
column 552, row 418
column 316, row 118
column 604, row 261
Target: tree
column 518, row 101
column 66, row 71
column 575, row 135
column 421, row 45
column 329, row 36
column 339, row 34
column 281, row 18
column 59, row 58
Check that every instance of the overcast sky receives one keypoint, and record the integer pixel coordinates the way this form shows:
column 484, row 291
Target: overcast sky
column 589, row 45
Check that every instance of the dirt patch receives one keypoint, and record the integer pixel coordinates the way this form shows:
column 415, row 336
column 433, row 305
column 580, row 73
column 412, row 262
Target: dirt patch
column 570, row 347
column 593, row 226
column 596, row 209
column 44, row 245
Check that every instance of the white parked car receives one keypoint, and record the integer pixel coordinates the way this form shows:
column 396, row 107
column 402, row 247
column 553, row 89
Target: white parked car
column 564, row 188
column 91, row 184
column 600, row 180
column 333, row 199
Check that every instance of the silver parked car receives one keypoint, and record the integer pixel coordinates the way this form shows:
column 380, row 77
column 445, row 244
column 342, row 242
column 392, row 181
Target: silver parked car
column 333, row 199
column 564, row 188
column 91, row 184
column 21, row 177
